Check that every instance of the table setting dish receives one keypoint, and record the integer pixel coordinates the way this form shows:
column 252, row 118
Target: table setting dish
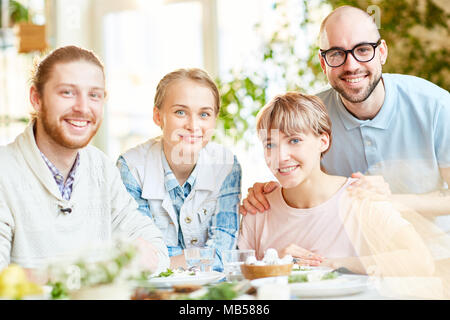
column 316, row 286
column 252, row 272
column 270, row 266
column 232, row 261
column 198, row 272
column 182, row 278
column 297, row 269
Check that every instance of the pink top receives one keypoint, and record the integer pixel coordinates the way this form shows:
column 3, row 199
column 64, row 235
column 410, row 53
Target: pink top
column 317, row 229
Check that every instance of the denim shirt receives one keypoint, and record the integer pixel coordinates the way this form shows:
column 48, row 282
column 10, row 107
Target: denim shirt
column 215, row 223
column 177, row 194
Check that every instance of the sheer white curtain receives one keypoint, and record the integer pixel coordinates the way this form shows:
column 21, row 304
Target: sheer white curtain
column 140, row 47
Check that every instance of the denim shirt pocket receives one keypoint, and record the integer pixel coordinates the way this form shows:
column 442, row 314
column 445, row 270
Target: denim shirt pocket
column 206, row 211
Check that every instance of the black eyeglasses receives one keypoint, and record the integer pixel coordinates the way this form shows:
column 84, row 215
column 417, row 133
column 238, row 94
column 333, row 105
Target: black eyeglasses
column 363, row 52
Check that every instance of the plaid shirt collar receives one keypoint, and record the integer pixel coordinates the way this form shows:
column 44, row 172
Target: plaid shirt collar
column 171, row 182
column 65, row 188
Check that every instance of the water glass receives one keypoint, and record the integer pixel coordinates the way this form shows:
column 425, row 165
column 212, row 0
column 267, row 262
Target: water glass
column 232, row 260
column 200, row 258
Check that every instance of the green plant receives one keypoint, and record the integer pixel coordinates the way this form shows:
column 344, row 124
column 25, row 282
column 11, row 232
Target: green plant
column 18, row 12
column 241, row 99
column 283, row 63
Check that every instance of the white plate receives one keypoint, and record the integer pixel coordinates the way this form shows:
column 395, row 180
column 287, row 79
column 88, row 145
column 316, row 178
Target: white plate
column 343, row 285
column 269, row 280
column 201, row 278
column 311, row 269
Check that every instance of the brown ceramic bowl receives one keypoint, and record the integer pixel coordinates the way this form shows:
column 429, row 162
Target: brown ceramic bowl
column 251, row 272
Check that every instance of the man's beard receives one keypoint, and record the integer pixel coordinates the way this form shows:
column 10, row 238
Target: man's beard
column 57, row 134
column 360, row 97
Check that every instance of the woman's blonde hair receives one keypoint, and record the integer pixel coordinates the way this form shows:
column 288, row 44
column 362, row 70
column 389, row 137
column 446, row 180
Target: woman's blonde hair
column 194, row 74
column 293, row 113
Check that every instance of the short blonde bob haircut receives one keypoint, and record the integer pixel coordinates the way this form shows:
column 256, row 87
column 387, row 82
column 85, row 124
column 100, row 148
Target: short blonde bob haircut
column 293, row 113
column 198, row 75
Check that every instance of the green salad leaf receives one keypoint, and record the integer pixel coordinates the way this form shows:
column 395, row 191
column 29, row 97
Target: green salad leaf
column 221, row 291
column 165, row 274
column 298, row 278
column 59, row 291
column 330, row 275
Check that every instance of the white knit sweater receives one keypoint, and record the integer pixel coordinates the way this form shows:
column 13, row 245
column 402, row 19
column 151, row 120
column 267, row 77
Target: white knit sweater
column 34, row 231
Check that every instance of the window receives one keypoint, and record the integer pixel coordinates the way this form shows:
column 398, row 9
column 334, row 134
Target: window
column 140, row 47
column 14, row 78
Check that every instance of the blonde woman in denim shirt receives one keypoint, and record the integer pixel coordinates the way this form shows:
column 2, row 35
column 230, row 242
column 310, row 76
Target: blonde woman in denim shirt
column 188, row 185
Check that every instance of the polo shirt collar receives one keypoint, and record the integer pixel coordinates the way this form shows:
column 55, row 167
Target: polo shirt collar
column 381, row 121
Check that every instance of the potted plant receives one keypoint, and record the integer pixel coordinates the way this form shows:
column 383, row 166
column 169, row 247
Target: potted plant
column 29, row 36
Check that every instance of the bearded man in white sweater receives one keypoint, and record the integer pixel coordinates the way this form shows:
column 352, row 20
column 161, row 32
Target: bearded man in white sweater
column 59, row 196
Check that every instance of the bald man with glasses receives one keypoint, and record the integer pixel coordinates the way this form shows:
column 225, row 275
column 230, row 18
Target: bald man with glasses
column 390, row 130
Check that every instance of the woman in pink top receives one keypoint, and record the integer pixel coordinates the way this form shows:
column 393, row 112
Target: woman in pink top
column 312, row 216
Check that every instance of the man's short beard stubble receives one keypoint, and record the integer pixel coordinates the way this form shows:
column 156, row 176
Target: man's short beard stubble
column 359, row 98
column 57, row 134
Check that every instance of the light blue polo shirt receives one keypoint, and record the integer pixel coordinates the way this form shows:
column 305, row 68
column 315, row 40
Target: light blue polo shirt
column 406, row 143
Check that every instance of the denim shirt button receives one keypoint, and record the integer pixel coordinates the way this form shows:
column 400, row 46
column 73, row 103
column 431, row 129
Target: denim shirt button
column 188, row 220
column 194, row 241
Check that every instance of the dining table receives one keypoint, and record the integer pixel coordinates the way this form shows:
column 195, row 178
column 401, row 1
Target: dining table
column 311, row 283
column 343, row 287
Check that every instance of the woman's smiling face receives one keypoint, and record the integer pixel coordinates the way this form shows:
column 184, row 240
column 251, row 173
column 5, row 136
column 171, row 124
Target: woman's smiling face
column 187, row 118
column 293, row 158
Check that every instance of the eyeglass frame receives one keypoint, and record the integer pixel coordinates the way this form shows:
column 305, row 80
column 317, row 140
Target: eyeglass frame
column 373, row 44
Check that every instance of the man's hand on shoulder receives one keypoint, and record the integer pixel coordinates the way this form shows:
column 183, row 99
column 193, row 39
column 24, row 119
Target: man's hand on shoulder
column 372, row 184
column 256, row 200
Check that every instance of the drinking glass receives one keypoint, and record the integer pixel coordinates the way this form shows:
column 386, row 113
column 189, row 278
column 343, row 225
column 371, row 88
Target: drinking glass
column 200, row 258
column 232, row 260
